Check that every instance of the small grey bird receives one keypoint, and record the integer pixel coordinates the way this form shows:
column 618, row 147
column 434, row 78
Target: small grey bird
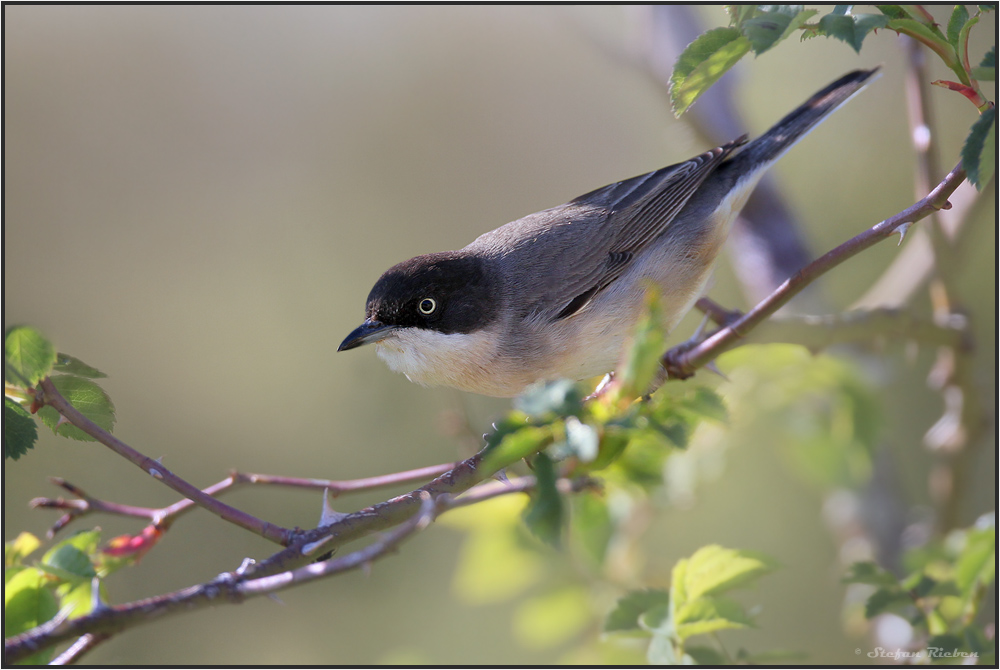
column 557, row 293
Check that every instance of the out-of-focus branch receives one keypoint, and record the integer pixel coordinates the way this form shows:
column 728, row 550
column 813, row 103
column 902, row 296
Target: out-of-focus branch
column 683, row 360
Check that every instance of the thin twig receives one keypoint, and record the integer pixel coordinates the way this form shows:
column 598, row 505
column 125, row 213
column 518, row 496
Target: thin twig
column 83, row 645
column 54, row 399
column 682, row 361
column 235, row 587
column 86, row 504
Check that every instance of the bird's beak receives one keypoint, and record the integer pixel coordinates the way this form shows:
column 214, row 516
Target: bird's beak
column 369, row 331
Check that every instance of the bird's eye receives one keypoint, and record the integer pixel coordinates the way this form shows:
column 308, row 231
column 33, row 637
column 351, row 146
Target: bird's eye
column 427, row 306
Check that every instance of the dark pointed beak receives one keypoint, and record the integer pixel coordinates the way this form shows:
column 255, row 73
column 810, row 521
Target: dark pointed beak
column 369, row 331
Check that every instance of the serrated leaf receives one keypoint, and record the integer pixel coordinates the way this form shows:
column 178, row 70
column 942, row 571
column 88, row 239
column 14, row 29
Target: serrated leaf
column 767, row 29
column 28, row 356
column 703, row 63
column 714, row 569
column 740, row 13
column 88, row 398
column 74, row 366
column 709, row 614
column 19, row 430
column 15, row 551
column 851, row 29
column 867, row 572
column 625, row 615
column 959, row 17
column 545, row 515
column 979, row 153
column 28, row 603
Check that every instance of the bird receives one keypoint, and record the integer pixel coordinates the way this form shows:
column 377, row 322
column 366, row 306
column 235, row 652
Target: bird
column 556, row 294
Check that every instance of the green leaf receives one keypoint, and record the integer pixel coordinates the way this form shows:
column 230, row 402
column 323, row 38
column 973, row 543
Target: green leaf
column 976, row 564
column 885, row 600
column 987, row 69
column 69, row 563
column 979, row 153
column 592, row 527
column 88, row 398
column 703, row 63
column 515, row 445
column 74, row 366
column 545, row 515
column 15, row 551
column 28, row 356
column 625, row 615
column 867, row 572
column 561, row 398
column 642, row 362
column 714, row 569
column 740, row 13
column 709, row 614
column 958, row 19
column 851, row 29
column 28, row 603
column 19, row 430
column 768, row 28
column 705, row 656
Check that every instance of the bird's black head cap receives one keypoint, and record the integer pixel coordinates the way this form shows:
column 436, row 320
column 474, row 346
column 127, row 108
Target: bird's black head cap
column 450, row 292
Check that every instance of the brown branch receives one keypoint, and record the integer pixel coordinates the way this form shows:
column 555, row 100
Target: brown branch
column 83, row 645
column 235, row 587
column 51, row 397
column 86, row 504
column 682, row 361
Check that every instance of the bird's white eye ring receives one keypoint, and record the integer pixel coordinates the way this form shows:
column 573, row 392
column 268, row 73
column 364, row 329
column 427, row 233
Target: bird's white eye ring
column 427, row 306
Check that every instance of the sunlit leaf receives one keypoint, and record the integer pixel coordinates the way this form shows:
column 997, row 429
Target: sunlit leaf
column 514, row 446
column 28, row 603
column 74, row 366
column 88, row 398
column 714, row 569
column 16, row 550
column 703, row 63
column 28, row 356
column 708, row 614
column 976, row 565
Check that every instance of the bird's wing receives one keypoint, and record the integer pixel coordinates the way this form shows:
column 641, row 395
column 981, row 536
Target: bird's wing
column 598, row 252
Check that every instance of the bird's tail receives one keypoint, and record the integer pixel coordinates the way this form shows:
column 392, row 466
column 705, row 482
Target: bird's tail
column 770, row 146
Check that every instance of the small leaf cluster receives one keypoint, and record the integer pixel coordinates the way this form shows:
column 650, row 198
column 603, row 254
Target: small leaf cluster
column 696, row 604
column 29, row 358
column 623, row 439
column 941, row 594
column 60, row 583
column 758, row 28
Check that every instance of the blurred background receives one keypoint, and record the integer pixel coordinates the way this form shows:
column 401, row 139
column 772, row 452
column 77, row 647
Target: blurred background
column 197, row 201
